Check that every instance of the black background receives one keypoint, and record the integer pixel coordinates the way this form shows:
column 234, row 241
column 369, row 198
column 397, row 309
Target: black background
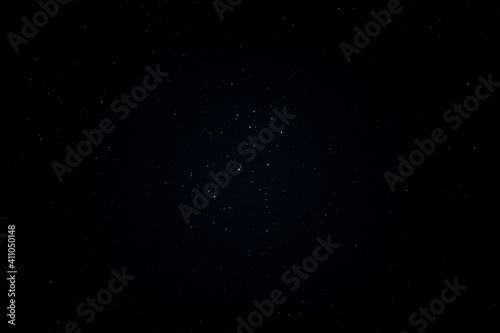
column 325, row 172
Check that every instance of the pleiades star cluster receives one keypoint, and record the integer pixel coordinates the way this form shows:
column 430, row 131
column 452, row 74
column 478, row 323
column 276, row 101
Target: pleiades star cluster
column 250, row 166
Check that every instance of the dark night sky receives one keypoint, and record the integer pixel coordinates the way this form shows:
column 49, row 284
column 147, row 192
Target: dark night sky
column 323, row 175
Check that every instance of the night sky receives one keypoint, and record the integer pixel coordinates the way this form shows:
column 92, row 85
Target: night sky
column 325, row 177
